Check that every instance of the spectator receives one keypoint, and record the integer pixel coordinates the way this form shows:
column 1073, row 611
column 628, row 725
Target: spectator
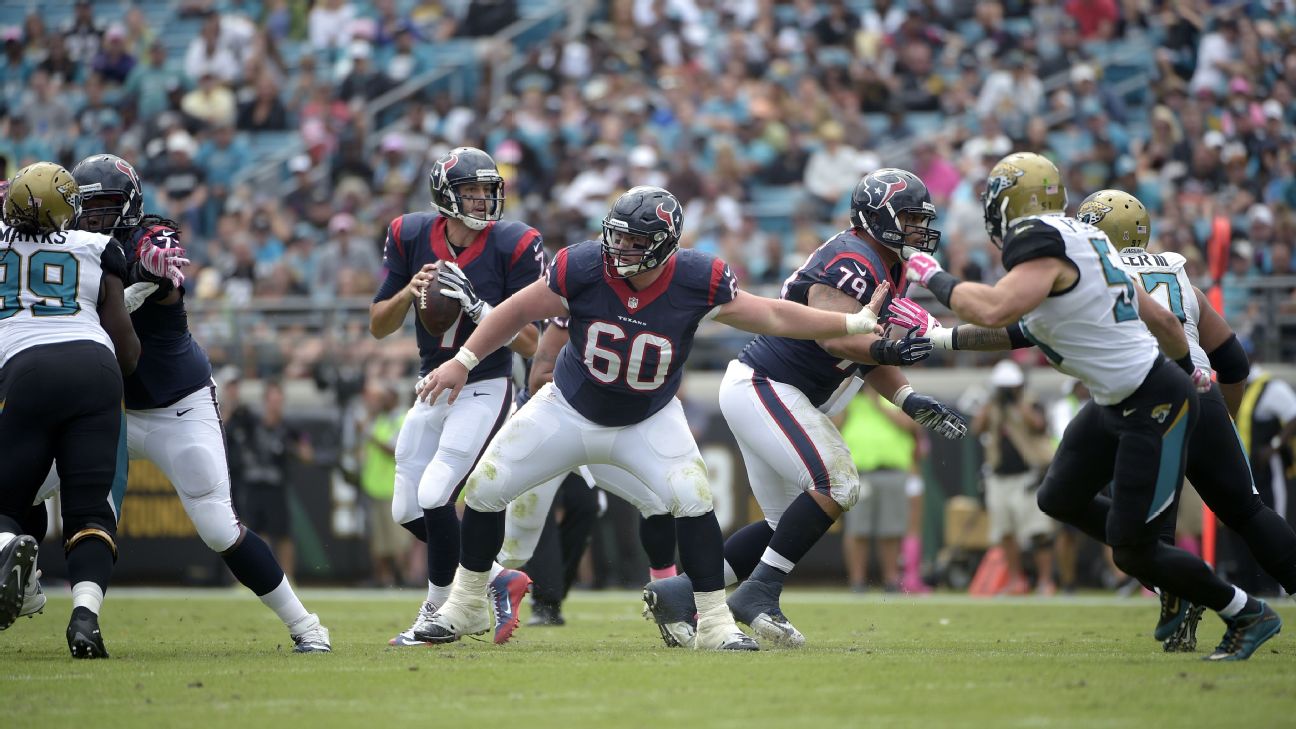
column 181, row 182
column 388, row 542
column 83, row 33
column 1096, row 19
column 113, row 61
column 363, row 81
column 832, row 170
column 330, row 24
column 1015, row 435
column 1216, row 57
column 210, row 102
column 208, row 55
column 264, row 112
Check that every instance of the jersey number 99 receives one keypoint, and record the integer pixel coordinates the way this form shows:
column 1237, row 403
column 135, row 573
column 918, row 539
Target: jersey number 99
column 50, row 276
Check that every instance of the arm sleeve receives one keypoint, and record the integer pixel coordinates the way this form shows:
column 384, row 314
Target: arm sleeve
column 1030, row 240
column 528, row 262
column 113, row 260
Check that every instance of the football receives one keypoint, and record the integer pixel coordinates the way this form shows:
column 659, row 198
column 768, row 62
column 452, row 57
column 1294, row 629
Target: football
column 436, row 312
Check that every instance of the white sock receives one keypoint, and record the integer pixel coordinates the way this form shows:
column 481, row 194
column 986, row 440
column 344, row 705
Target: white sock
column 1236, row 604
column 495, row 569
column 469, row 587
column 730, row 577
column 87, row 595
column 284, row 602
column 437, row 594
column 5, row 538
column 777, row 561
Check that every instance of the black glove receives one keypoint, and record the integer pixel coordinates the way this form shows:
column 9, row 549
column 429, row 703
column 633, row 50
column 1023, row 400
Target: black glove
column 933, row 415
column 900, row 352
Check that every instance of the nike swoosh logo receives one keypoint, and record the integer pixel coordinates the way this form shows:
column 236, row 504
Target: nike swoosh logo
column 180, row 413
column 1126, row 413
column 480, row 394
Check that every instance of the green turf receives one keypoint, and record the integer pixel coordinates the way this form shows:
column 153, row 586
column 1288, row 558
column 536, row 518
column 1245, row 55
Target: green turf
column 196, row 659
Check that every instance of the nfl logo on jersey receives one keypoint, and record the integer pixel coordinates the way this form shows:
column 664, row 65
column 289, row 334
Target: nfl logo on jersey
column 632, row 302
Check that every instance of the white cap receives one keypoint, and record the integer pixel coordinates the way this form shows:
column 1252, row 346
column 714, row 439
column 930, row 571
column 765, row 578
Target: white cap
column 1081, row 72
column 299, row 163
column 1006, row 373
column 1272, row 109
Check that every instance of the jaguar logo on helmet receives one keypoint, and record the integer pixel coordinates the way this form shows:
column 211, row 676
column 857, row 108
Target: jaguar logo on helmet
column 1093, row 212
column 1002, row 177
column 883, row 188
column 71, row 194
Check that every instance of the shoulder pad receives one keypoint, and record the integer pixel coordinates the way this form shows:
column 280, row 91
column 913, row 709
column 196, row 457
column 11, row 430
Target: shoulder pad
column 1030, row 239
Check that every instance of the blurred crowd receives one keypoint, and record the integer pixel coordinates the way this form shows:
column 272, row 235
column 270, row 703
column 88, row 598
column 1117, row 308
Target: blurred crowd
column 760, row 115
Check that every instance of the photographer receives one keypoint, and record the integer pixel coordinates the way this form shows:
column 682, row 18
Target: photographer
column 1014, row 432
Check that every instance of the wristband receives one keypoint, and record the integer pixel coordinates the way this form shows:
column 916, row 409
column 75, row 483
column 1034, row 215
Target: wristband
column 943, row 337
column 901, row 395
column 1017, row 338
column 1186, row 364
column 942, row 287
column 466, row 358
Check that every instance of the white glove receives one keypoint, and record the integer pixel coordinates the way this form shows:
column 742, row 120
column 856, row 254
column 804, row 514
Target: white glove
column 137, row 293
column 457, row 286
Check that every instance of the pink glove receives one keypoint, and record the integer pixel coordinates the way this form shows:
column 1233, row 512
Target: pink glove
column 921, row 267
column 1201, row 379
column 163, row 262
column 909, row 315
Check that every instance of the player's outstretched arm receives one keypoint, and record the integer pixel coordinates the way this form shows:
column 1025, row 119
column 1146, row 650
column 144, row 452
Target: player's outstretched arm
column 995, row 307
column 779, row 318
column 909, row 314
column 924, row 410
column 387, row 314
column 868, row 348
column 115, row 320
column 532, row 303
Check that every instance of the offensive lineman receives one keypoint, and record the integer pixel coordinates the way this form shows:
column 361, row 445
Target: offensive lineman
column 62, row 319
column 481, row 261
column 1067, row 291
column 775, row 395
column 635, row 301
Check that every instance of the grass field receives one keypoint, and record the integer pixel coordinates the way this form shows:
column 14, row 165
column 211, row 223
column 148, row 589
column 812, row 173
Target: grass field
column 218, row 658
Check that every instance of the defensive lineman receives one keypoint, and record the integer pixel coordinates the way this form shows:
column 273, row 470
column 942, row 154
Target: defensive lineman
column 775, row 396
column 635, row 302
column 1068, row 292
column 481, row 261
column 62, row 319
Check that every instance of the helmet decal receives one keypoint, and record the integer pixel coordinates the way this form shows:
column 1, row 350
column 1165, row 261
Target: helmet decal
column 1092, row 212
column 666, row 212
column 883, row 188
column 127, row 170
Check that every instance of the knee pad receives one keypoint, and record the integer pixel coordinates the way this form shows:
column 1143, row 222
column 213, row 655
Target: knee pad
column 92, row 530
column 691, row 490
column 484, row 491
column 437, row 486
column 846, row 492
column 216, row 523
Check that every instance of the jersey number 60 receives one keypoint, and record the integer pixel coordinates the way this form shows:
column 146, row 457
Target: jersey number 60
column 606, row 365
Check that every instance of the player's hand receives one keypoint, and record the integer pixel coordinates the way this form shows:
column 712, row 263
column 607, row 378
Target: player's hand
column 866, row 320
column 136, row 294
column 163, row 263
column 908, row 314
column 900, row 352
column 921, row 267
column 419, row 284
column 449, row 376
column 1201, row 379
column 935, row 416
column 457, row 286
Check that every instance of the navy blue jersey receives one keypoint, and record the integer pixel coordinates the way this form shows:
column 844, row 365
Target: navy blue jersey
column 503, row 259
column 627, row 350
column 171, row 364
column 846, row 262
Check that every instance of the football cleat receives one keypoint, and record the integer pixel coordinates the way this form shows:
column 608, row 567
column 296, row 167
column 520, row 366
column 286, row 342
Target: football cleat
column 1173, row 612
column 545, row 614
column 505, row 593
column 17, row 565
column 723, row 635
column 311, row 636
column 83, row 636
column 454, row 621
column 1245, row 633
column 421, row 622
column 669, row 603
column 1184, row 639
column 756, row 604
column 33, row 597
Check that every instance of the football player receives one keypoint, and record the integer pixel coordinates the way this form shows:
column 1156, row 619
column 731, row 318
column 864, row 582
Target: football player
column 172, row 411
column 481, row 261
column 1217, row 465
column 1068, row 292
column 776, row 395
column 65, row 340
column 634, row 301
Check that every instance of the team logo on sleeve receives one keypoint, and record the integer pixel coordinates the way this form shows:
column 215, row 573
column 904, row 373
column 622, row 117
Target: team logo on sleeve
column 1093, row 212
column 884, row 188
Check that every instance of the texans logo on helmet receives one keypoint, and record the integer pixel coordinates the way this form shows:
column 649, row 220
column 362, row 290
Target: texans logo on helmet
column 666, row 212
column 127, row 170
column 443, row 167
column 883, row 188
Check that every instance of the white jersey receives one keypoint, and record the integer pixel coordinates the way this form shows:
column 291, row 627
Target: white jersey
column 1092, row 330
column 49, row 287
column 1164, row 279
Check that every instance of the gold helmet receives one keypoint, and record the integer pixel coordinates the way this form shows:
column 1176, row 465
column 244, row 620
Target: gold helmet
column 42, row 198
column 1118, row 214
column 1021, row 184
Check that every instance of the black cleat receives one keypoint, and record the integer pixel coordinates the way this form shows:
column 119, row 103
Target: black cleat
column 1245, row 633
column 17, row 563
column 83, row 636
column 1173, row 612
column 545, row 614
column 1184, row 639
